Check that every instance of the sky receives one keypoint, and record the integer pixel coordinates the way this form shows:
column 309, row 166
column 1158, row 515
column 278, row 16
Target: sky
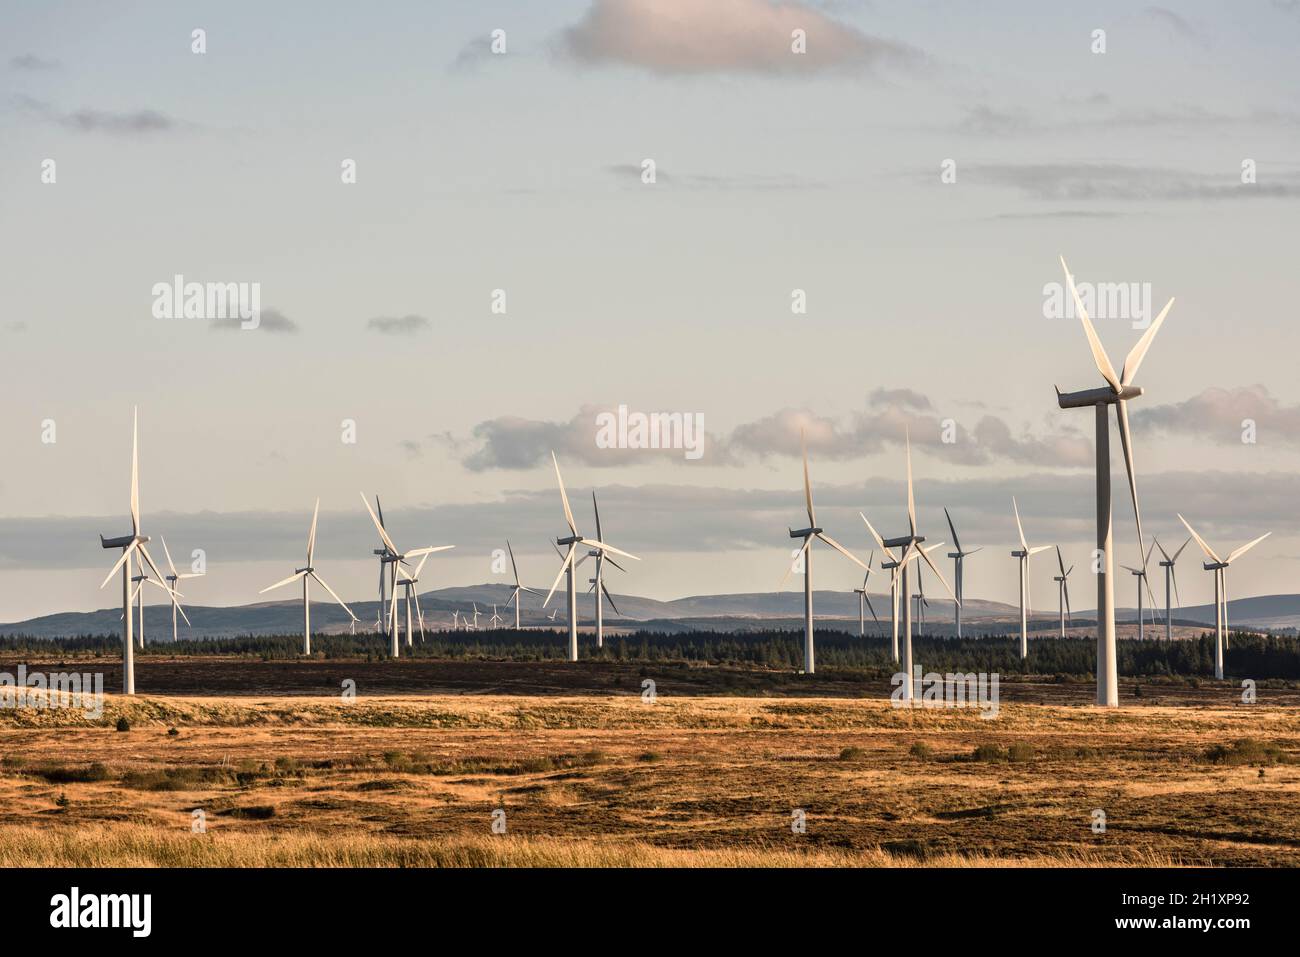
column 916, row 173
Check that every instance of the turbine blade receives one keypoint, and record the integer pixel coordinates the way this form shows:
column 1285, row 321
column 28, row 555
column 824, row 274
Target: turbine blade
column 869, row 608
column 420, row 565
column 938, row 574
column 135, row 471
column 1209, row 552
column 1126, row 439
column 593, row 543
column 1019, row 528
column 955, row 542
column 149, row 558
column 807, row 540
column 1098, row 353
column 1139, row 351
column 168, row 555
column 284, row 581
column 311, row 536
column 1039, row 548
column 379, row 526
column 323, row 584
column 596, row 508
column 426, row 551
column 615, row 564
column 182, row 612
column 807, row 483
column 563, row 565
column 564, row 497
column 1237, row 553
column 1163, row 554
column 513, row 566
column 605, row 589
column 880, row 543
column 1180, row 550
column 841, row 549
column 1060, row 561
column 911, row 500
column 1173, row 577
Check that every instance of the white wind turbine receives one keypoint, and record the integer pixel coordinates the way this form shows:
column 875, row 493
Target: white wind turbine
column 805, row 553
column 568, row 565
column 496, row 619
column 306, row 575
column 864, row 600
column 1063, row 590
column 1171, row 578
column 408, row 581
column 475, row 616
column 958, row 560
column 172, row 579
column 518, row 590
column 598, row 583
column 1025, row 601
column 130, row 544
column 891, row 564
column 394, row 557
column 1141, row 575
column 1220, row 568
column 1118, row 391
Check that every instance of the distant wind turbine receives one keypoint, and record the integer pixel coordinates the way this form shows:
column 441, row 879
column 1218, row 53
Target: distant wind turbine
column 1220, row 568
column 1141, row 575
column 516, row 593
column 393, row 558
column 598, row 583
column 864, row 600
column 172, row 579
column 1063, row 590
column 1025, row 601
column 306, row 575
column 1171, row 578
column 805, row 552
column 958, row 560
column 1119, row 389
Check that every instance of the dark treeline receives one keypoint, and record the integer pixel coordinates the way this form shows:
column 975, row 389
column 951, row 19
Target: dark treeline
column 1256, row 656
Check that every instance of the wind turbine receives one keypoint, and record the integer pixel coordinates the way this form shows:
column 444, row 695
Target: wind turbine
column 475, row 604
column 573, row 540
column 1119, row 389
column 455, row 620
column 912, row 547
column 394, row 557
column 894, row 567
column 496, row 619
column 172, row 579
column 1062, row 589
column 1220, row 568
column 1170, row 578
column 1025, row 601
column 519, row 589
column 598, row 583
column 385, row 558
column 130, row 544
column 864, row 600
column 408, row 581
column 958, row 559
column 306, row 575
column 1141, row 575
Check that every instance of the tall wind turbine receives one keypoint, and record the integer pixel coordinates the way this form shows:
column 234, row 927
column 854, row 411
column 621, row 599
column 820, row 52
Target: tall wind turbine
column 1141, row 575
column 1025, row 602
column 1119, row 389
column 891, row 564
column 130, row 544
column 518, row 590
column 1170, row 578
column 408, row 581
column 573, row 540
column 958, row 559
column 382, row 621
column 393, row 558
column 1062, row 589
column 864, row 600
column 306, row 575
column 172, row 579
column 911, row 544
column 808, row 534
column 1220, row 568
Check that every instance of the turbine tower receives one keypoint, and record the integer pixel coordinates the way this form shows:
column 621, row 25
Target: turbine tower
column 805, row 552
column 172, row 579
column 408, row 581
column 598, row 583
column 1220, row 568
column 864, row 600
column 385, row 559
column 1170, row 578
column 1119, row 389
column 573, row 540
column 1141, row 575
column 911, row 544
column 393, row 558
column 958, row 558
column 130, row 544
column 519, row 589
column 306, row 575
column 1025, row 601
column 1062, row 590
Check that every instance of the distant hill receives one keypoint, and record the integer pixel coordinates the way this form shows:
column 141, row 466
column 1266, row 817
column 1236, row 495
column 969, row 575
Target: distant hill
column 736, row 612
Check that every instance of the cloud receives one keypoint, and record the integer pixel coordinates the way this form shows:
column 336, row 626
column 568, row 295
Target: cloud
column 16, row 326
column 472, row 55
column 725, row 36
column 631, row 173
column 100, row 121
column 1217, row 414
column 404, row 326
column 1074, row 182
column 1176, row 22
column 272, row 321
column 986, row 121
column 30, row 61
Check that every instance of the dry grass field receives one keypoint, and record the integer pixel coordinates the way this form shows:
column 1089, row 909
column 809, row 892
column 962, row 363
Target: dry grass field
column 600, row 778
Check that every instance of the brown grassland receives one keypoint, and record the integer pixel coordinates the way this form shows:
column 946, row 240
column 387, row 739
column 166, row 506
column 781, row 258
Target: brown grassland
column 599, row 778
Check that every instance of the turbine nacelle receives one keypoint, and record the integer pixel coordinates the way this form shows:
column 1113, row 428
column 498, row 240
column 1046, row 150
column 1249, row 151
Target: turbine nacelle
column 804, row 532
column 123, row 541
column 1090, row 397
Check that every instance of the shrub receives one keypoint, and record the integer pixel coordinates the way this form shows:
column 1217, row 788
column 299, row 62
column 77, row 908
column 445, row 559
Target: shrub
column 987, row 752
column 1020, row 751
column 1247, row 751
column 852, row 754
column 921, row 750
column 650, row 756
column 123, row 724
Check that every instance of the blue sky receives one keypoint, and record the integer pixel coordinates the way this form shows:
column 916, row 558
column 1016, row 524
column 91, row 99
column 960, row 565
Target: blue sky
column 478, row 172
